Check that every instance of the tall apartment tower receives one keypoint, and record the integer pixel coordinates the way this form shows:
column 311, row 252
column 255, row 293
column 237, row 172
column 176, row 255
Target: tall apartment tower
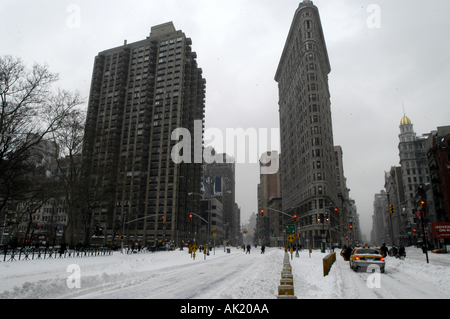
column 140, row 93
column 308, row 177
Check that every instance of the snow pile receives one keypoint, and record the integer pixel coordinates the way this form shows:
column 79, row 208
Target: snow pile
column 435, row 272
column 48, row 278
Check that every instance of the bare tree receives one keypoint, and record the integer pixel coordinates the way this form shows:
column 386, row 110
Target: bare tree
column 29, row 112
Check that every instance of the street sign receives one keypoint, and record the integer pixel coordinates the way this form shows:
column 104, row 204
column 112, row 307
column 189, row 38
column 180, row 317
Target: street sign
column 290, row 229
column 194, row 248
column 291, row 238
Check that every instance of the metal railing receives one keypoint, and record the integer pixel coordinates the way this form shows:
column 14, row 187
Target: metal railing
column 29, row 253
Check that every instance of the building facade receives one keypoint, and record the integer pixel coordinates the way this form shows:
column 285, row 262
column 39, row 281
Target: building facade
column 308, row 172
column 438, row 156
column 345, row 204
column 140, row 93
column 219, row 182
column 414, row 171
column 271, row 223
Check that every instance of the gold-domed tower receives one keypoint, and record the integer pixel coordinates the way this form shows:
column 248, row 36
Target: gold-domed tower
column 405, row 120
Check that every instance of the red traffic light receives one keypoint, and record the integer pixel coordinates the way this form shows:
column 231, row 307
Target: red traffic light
column 422, row 204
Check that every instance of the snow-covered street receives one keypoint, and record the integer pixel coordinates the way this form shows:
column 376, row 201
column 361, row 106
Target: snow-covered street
column 175, row 275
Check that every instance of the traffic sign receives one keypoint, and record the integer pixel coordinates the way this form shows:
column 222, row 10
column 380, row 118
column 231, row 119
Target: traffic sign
column 290, row 229
column 291, row 238
column 194, row 248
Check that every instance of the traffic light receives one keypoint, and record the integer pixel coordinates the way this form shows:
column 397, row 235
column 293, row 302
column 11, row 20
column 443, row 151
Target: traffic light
column 295, row 218
column 262, row 212
column 336, row 210
column 391, row 209
column 213, row 230
column 422, row 204
column 350, row 227
column 190, row 217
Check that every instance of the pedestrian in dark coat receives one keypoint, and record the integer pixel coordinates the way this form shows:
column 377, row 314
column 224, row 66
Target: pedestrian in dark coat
column 263, row 248
column 248, row 249
column 384, row 250
column 62, row 250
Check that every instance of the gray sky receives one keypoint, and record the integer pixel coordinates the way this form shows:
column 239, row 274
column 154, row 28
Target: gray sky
column 239, row 44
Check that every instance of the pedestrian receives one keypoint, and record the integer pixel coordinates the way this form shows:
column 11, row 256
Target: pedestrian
column 248, row 249
column 62, row 249
column 384, row 250
column 263, row 248
column 344, row 253
column 401, row 252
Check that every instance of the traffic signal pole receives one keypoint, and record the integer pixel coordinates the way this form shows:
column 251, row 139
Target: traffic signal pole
column 422, row 206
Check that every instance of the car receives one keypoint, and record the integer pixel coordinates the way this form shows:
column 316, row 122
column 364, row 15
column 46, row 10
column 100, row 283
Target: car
column 363, row 257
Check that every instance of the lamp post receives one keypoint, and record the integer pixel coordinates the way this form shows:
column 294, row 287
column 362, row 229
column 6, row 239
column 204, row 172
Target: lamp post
column 123, row 231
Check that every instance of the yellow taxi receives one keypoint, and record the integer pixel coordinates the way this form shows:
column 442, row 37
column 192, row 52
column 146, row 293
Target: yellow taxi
column 363, row 257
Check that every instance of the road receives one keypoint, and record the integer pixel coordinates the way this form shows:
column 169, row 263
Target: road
column 236, row 276
column 227, row 276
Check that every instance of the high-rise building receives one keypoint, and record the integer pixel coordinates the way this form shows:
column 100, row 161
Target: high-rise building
column 414, row 168
column 308, row 177
column 140, row 93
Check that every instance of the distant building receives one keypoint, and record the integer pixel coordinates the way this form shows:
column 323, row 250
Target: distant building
column 345, row 204
column 415, row 172
column 219, row 182
column 270, row 224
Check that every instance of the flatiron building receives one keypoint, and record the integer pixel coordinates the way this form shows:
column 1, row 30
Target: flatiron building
column 308, row 169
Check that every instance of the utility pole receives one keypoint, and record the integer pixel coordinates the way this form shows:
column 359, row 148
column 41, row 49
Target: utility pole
column 422, row 212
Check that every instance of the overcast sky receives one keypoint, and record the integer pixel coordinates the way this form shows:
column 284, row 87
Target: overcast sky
column 402, row 58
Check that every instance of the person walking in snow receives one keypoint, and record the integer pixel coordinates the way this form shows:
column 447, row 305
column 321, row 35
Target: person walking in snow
column 248, row 249
column 263, row 248
column 384, row 250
